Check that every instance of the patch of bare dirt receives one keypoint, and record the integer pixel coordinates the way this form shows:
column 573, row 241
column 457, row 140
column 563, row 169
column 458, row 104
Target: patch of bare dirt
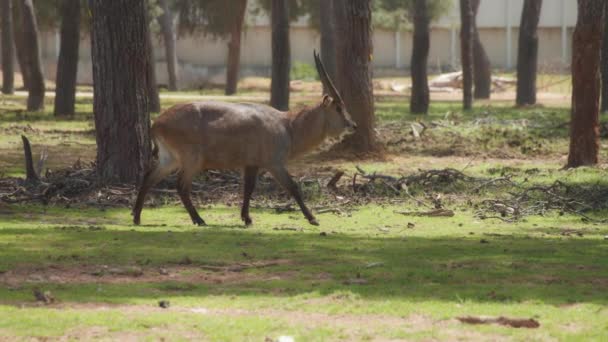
column 351, row 326
column 194, row 274
column 166, row 332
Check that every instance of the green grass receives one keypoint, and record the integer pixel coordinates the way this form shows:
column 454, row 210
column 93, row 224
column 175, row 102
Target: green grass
column 365, row 275
column 438, row 270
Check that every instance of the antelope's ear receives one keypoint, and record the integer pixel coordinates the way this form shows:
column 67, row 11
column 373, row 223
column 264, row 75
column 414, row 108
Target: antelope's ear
column 327, row 100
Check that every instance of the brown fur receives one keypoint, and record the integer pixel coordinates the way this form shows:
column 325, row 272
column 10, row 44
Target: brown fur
column 217, row 135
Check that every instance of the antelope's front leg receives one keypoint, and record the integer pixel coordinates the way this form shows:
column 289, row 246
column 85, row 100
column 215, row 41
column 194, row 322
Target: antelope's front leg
column 249, row 178
column 283, row 177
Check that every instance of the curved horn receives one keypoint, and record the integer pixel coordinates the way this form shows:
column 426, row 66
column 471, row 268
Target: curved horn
column 329, row 85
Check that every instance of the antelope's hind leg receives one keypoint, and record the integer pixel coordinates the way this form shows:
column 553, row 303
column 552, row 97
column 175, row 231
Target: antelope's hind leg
column 152, row 177
column 184, row 186
column 249, row 178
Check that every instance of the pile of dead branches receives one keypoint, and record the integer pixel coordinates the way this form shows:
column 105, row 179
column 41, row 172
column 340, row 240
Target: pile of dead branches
column 539, row 200
column 499, row 198
column 429, row 180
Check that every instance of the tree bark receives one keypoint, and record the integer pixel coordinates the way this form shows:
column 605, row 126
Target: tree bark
column 31, row 55
column 120, row 53
column 419, row 101
column 586, row 46
column 354, row 53
column 169, row 37
column 281, row 55
column 527, row 53
column 67, row 65
column 19, row 40
column 604, row 62
column 234, row 49
column 8, row 51
column 466, row 50
column 328, row 39
column 153, row 96
column 482, row 69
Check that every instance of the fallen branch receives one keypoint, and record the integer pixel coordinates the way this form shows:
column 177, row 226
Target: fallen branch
column 334, row 180
column 511, row 322
column 432, row 213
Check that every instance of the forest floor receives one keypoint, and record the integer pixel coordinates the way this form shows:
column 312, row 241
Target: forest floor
column 468, row 229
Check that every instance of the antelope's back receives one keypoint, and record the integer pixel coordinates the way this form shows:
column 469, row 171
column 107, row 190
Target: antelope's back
column 224, row 135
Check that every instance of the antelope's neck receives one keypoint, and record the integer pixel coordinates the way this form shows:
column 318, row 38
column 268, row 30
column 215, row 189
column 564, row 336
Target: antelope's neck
column 307, row 130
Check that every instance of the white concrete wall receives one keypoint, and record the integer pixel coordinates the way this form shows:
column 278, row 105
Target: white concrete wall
column 202, row 58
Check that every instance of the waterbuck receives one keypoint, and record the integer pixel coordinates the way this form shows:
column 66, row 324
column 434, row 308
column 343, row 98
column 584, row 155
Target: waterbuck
column 189, row 138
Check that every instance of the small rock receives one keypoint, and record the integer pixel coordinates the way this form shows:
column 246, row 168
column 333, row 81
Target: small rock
column 185, row 261
column 165, row 304
column 484, row 241
column 163, row 271
column 132, row 271
column 410, row 225
column 323, row 234
column 46, row 297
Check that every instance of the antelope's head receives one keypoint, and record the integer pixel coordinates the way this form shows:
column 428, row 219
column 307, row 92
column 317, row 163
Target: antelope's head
column 337, row 118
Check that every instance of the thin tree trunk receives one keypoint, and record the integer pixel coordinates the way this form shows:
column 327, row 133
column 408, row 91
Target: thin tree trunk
column 328, row 39
column 153, row 96
column 586, row 46
column 419, row 101
column 169, row 37
column 67, row 65
column 354, row 51
column 482, row 69
column 234, row 49
column 604, row 62
column 8, row 51
column 31, row 45
column 19, row 40
column 281, row 55
column 527, row 53
column 120, row 53
column 466, row 50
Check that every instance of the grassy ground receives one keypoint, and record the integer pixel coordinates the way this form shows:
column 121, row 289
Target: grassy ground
column 366, row 273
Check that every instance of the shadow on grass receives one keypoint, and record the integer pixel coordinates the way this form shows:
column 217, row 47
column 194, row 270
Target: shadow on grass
column 492, row 268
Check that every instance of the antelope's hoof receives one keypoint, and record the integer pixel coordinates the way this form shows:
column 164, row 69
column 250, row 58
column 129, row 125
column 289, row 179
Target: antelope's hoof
column 313, row 221
column 247, row 221
column 199, row 222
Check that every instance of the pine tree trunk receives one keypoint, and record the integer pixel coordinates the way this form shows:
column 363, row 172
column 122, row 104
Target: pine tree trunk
column 19, row 40
column 466, row 50
column 281, row 55
column 153, row 96
column 586, row 46
column 419, row 101
column 354, row 68
column 482, row 69
column 527, row 53
column 67, row 65
column 31, row 55
column 604, row 62
column 169, row 37
column 8, row 51
column 328, row 39
column 234, row 49
column 120, row 52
